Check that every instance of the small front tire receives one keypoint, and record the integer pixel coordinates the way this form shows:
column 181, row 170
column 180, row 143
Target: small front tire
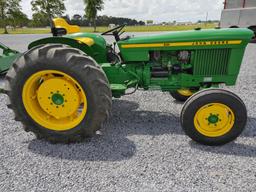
column 214, row 117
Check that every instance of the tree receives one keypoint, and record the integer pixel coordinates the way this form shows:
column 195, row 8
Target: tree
column 91, row 10
column 17, row 18
column 106, row 20
column 40, row 20
column 48, row 9
column 8, row 9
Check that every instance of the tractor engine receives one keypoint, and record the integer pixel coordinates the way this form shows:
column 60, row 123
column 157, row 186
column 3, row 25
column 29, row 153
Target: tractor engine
column 165, row 63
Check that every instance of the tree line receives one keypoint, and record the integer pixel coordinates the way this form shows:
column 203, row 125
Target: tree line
column 102, row 21
column 44, row 10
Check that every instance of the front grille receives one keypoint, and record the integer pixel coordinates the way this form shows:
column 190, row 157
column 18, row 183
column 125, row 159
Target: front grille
column 211, row 62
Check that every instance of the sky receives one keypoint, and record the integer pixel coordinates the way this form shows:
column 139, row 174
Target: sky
column 156, row 10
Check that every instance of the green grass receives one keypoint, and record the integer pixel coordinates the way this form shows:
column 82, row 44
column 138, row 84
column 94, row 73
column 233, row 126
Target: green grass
column 102, row 29
column 27, row 31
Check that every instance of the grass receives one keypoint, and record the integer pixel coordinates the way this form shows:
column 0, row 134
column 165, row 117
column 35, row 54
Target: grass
column 127, row 29
column 27, row 31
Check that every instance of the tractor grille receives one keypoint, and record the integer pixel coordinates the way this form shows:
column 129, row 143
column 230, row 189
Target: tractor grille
column 211, row 62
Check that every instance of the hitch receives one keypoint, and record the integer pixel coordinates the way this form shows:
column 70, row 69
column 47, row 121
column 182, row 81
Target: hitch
column 7, row 57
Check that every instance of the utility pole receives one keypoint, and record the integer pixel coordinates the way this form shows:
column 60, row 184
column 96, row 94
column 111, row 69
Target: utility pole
column 206, row 20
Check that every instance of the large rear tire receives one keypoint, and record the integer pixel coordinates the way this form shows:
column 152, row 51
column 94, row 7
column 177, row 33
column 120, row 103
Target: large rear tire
column 214, row 117
column 58, row 93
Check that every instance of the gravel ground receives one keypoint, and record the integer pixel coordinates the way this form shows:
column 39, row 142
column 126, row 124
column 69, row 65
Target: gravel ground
column 143, row 148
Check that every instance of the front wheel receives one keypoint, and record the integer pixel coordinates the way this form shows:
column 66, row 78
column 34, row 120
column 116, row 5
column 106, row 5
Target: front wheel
column 214, row 117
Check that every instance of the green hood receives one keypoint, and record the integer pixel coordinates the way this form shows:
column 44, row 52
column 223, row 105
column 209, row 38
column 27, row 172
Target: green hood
column 194, row 35
column 137, row 48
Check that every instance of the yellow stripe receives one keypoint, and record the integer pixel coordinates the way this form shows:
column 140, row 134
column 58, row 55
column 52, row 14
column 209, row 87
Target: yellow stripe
column 236, row 42
column 86, row 40
column 183, row 44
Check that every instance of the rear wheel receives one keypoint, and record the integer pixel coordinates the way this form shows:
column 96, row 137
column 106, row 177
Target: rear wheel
column 214, row 117
column 182, row 94
column 59, row 93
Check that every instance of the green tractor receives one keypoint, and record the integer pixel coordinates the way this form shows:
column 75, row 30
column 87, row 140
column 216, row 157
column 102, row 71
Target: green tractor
column 61, row 89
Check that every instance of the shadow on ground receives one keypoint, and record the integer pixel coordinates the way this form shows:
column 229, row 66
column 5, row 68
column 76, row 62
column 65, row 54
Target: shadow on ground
column 1, row 81
column 127, row 120
column 234, row 148
column 113, row 145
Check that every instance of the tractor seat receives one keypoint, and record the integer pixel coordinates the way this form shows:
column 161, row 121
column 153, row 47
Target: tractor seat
column 61, row 27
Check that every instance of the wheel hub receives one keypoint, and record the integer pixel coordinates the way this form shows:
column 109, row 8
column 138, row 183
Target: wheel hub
column 54, row 100
column 58, row 97
column 214, row 119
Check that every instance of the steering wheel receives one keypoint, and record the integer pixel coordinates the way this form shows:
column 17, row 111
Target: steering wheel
column 116, row 32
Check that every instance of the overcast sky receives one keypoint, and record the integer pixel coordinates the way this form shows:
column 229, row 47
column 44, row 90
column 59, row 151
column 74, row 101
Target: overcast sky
column 157, row 10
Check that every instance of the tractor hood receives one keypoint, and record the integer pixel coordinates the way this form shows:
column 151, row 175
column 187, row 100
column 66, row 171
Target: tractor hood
column 137, row 48
column 193, row 35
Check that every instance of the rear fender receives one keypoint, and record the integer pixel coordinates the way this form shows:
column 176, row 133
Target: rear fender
column 65, row 41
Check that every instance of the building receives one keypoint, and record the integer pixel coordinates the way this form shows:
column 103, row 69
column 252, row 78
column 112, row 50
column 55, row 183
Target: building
column 239, row 13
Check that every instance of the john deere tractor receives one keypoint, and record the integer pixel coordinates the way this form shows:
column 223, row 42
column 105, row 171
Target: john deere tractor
column 61, row 89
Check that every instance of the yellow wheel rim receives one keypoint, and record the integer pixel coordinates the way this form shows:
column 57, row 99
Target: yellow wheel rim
column 54, row 100
column 214, row 120
column 185, row 92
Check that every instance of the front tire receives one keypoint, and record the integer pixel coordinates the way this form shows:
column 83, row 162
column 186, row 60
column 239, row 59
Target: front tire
column 214, row 117
column 58, row 93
